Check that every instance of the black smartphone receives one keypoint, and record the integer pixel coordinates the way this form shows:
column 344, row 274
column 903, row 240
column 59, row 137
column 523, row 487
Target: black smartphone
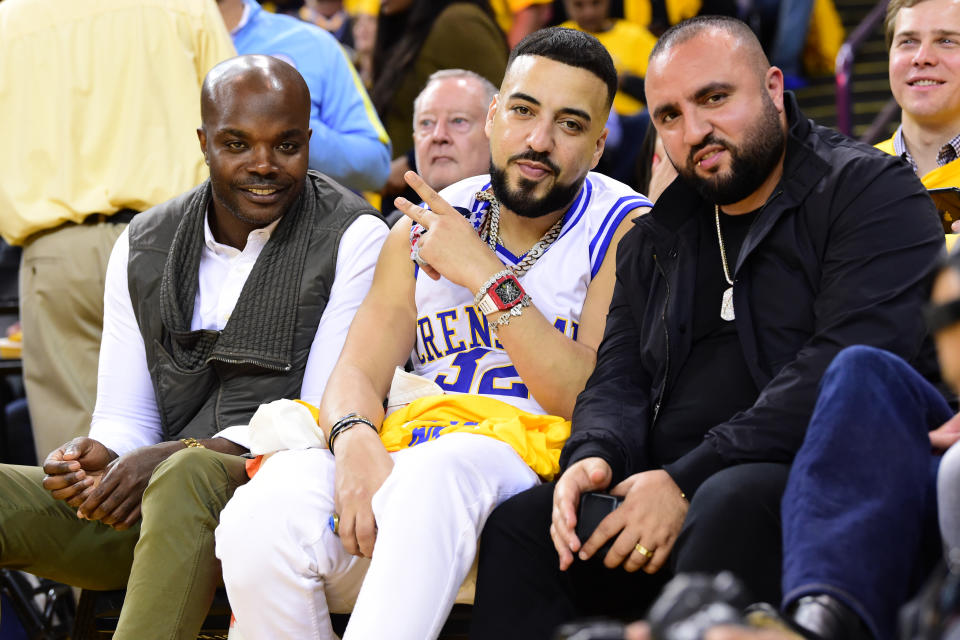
column 594, row 507
column 947, row 201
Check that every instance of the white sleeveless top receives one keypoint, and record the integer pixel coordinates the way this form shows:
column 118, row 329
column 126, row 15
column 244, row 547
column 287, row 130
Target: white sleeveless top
column 455, row 347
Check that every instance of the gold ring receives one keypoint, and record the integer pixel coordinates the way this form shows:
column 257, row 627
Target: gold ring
column 335, row 524
column 642, row 550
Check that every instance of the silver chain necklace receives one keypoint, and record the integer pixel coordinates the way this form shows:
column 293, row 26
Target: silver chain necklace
column 726, row 305
column 490, row 231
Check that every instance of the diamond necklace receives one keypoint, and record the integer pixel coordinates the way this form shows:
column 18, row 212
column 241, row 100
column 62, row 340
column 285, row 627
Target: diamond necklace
column 490, row 231
column 726, row 305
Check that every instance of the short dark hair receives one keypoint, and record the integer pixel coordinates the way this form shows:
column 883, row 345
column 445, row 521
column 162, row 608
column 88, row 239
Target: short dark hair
column 689, row 29
column 571, row 47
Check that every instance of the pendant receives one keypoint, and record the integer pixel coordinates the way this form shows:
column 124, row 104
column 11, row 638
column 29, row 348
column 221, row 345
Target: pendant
column 726, row 307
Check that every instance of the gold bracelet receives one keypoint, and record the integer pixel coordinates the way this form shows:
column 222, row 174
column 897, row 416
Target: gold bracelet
column 192, row 443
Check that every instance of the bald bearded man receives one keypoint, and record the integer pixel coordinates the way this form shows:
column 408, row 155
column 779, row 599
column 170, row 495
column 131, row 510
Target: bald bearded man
column 236, row 293
column 732, row 297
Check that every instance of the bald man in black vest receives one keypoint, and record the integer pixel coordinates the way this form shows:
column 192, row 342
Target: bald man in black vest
column 234, row 294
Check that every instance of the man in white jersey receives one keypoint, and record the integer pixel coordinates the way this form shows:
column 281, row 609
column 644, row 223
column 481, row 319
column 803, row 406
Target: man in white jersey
column 503, row 311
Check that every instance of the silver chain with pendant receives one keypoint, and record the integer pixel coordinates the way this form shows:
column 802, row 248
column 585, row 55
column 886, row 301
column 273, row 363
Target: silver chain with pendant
column 726, row 305
column 490, row 232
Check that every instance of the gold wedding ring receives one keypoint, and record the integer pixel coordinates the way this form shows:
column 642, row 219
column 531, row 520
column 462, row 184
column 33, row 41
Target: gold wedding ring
column 642, row 550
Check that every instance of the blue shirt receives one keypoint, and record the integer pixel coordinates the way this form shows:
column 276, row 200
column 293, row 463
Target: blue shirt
column 348, row 143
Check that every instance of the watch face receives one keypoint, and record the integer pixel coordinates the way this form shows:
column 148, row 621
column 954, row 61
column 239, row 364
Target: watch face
column 508, row 291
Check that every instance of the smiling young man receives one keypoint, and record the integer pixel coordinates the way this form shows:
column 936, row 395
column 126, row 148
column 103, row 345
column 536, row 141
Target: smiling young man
column 923, row 37
column 753, row 270
column 499, row 304
column 235, row 293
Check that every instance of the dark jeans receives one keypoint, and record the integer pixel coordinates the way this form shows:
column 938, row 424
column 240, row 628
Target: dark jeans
column 733, row 524
column 859, row 512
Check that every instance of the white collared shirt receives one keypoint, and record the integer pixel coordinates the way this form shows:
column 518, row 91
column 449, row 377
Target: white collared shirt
column 126, row 415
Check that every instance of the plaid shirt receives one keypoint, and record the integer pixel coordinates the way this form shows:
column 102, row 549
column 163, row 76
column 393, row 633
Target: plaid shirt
column 948, row 152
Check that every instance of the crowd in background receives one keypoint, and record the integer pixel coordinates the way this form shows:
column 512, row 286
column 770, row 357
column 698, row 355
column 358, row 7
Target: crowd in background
column 394, row 86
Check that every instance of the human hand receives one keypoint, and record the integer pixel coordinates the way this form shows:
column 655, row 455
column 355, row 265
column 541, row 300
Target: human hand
column 116, row 500
column 637, row 631
column 362, row 467
column 651, row 515
column 955, row 226
column 944, row 436
column 451, row 247
column 662, row 172
column 589, row 474
column 75, row 469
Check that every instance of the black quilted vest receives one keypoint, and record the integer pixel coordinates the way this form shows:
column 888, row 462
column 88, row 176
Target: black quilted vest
column 226, row 390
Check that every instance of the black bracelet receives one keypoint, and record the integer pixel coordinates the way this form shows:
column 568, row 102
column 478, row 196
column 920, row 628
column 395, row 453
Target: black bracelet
column 347, row 422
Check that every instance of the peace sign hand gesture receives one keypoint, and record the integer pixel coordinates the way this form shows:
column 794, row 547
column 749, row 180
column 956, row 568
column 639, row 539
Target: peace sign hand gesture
column 449, row 245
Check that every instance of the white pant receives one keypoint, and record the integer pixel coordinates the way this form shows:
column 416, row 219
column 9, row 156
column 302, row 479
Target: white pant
column 285, row 571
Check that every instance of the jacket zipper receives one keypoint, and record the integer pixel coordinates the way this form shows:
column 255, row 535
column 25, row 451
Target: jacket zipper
column 259, row 363
column 666, row 337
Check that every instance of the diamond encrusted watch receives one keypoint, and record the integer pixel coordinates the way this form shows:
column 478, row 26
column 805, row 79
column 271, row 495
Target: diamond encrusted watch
column 504, row 293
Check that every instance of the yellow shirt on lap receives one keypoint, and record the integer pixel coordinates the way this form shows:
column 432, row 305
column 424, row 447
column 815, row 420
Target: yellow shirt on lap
column 536, row 439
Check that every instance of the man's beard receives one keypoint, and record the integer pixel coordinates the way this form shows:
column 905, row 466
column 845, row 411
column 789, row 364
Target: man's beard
column 521, row 200
column 750, row 164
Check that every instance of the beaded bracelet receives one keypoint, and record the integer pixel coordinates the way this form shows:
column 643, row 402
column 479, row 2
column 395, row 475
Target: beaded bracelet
column 514, row 312
column 343, row 424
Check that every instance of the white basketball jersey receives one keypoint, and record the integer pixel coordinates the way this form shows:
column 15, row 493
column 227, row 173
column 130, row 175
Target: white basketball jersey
column 455, row 347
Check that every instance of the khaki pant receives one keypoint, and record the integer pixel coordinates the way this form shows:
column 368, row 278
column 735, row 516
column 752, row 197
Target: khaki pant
column 61, row 311
column 166, row 562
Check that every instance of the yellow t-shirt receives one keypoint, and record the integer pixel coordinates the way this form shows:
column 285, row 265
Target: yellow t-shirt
column 640, row 12
column 824, row 36
column 354, row 7
column 946, row 176
column 504, row 10
column 537, row 439
column 629, row 46
column 99, row 106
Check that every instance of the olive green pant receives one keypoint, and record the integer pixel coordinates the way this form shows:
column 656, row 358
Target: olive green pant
column 166, row 562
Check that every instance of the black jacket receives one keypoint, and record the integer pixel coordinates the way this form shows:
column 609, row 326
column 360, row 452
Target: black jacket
column 838, row 256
